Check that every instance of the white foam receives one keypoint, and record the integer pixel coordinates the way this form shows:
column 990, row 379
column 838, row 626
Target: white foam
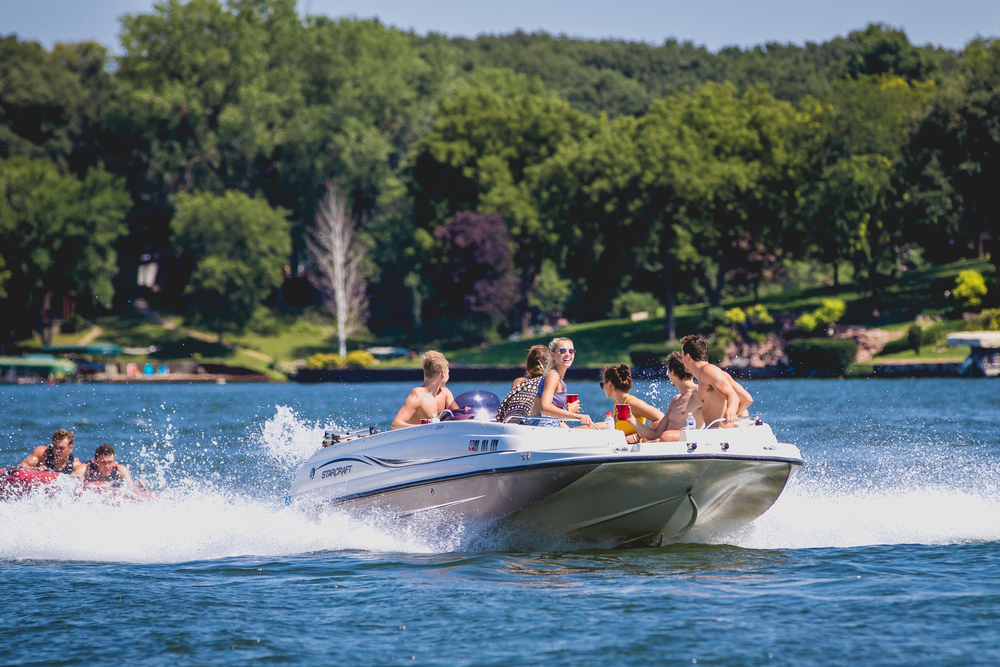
column 812, row 514
column 192, row 524
column 290, row 440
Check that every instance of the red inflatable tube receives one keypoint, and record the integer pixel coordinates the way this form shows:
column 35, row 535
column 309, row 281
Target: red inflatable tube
column 17, row 482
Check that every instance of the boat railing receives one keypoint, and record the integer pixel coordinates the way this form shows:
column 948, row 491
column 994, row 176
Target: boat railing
column 338, row 437
column 753, row 421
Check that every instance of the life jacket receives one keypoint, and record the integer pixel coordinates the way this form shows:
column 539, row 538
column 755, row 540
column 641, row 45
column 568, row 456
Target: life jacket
column 50, row 462
column 93, row 474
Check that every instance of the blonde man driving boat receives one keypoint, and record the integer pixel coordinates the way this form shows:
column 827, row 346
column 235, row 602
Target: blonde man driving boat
column 429, row 399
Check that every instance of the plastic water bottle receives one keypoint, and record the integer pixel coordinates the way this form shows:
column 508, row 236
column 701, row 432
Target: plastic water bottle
column 690, row 421
column 609, row 421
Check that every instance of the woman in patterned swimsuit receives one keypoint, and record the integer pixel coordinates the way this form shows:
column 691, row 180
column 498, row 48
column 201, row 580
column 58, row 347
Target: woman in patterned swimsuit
column 521, row 398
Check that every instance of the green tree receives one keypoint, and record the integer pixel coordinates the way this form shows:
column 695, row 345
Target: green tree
column 57, row 235
column 859, row 201
column 971, row 154
column 367, row 95
column 722, row 170
column 485, row 140
column 204, row 95
column 550, row 293
column 45, row 99
column 213, row 85
column 970, row 287
column 880, row 49
column 236, row 248
column 698, row 185
column 589, row 196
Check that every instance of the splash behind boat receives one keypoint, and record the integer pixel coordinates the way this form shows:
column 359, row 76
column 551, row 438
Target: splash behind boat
column 586, row 484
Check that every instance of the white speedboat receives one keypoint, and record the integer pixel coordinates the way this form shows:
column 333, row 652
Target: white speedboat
column 587, row 485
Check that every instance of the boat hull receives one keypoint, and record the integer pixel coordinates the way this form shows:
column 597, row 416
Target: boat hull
column 654, row 501
column 587, row 487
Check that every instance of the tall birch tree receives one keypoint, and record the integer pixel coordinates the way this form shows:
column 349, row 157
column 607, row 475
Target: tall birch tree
column 338, row 256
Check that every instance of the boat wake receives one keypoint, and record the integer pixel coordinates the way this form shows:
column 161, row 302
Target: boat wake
column 820, row 512
column 214, row 516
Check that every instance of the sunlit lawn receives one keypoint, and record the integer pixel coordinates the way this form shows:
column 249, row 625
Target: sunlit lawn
column 298, row 341
column 954, row 353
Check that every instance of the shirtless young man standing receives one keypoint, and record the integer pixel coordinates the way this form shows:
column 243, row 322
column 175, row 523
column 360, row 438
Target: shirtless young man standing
column 720, row 395
column 430, row 398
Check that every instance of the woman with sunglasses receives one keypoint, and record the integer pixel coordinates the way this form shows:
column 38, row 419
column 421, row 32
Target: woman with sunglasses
column 617, row 383
column 551, row 398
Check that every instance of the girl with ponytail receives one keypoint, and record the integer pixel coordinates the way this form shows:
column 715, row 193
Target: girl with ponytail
column 616, row 381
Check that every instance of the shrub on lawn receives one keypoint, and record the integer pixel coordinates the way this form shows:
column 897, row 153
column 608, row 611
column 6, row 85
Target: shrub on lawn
column 323, row 361
column 632, row 302
column 651, row 355
column 914, row 336
column 988, row 320
column 823, row 357
column 359, row 359
column 969, row 287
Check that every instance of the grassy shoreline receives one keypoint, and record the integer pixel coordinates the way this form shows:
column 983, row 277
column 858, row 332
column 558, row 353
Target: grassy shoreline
column 598, row 343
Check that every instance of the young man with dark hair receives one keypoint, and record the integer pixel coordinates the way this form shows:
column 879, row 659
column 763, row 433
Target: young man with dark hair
column 721, row 396
column 57, row 457
column 104, row 468
column 669, row 428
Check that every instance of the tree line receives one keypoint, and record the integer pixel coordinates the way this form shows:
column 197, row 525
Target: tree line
column 487, row 182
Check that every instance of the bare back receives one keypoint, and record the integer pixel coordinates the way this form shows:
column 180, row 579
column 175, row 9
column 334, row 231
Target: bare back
column 422, row 404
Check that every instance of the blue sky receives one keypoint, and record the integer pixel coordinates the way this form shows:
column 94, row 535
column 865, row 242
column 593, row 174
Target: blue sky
column 714, row 23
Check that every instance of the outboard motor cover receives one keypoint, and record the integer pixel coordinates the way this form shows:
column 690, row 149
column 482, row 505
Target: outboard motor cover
column 483, row 405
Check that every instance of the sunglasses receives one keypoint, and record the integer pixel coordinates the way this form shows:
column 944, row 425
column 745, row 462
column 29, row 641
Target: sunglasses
column 601, row 383
column 564, row 350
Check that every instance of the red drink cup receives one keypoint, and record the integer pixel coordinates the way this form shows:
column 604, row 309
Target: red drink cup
column 622, row 412
column 572, row 398
column 425, row 421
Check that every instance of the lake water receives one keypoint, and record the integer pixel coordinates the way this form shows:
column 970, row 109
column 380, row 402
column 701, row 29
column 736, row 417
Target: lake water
column 884, row 549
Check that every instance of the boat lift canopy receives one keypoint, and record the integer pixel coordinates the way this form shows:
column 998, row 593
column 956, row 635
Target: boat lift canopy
column 38, row 363
column 96, row 349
